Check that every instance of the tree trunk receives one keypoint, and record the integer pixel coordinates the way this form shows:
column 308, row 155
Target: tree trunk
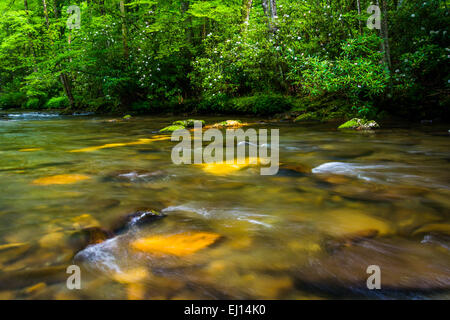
column 102, row 7
column 56, row 9
column 67, row 89
column 187, row 21
column 385, row 42
column 358, row 2
column 273, row 9
column 124, row 30
column 266, row 9
column 386, row 33
column 247, row 9
column 25, row 3
column 46, row 13
column 63, row 77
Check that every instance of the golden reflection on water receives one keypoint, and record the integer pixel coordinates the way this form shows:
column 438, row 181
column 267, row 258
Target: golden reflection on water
column 304, row 233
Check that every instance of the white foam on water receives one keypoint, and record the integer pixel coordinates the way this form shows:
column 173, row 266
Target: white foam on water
column 32, row 115
column 183, row 208
column 102, row 256
column 379, row 173
column 256, row 222
column 352, row 169
column 234, row 213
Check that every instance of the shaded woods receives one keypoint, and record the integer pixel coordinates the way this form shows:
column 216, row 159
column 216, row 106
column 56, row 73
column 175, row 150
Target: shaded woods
column 317, row 59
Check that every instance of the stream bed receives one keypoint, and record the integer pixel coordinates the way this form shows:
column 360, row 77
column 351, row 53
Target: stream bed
column 341, row 202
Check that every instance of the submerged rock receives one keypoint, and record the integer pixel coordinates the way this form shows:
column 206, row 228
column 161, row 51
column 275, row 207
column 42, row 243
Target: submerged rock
column 12, row 251
column 84, row 221
column 53, row 240
column 134, row 280
column 222, row 169
column 351, row 223
column 82, row 238
column 30, row 149
column 263, row 286
column 437, row 239
column 13, row 246
column 35, row 288
column 178, row 244
column 293, row 170
column 406, row 266
column 439, row 228
column 132, row 276
column 360, row 124
column 26, row 278
column 60, row 179
column 350, row 239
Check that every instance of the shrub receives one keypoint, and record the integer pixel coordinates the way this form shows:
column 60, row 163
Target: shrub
column 149, row 107
column 262, row 104
column 32, row 103
column 12, row 100
column 356, row 74
column 57, row 103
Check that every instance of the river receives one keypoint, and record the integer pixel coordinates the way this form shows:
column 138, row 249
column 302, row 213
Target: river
column 341, row 202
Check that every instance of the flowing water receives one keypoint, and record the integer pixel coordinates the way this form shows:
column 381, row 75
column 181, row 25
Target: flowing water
column 341, row 201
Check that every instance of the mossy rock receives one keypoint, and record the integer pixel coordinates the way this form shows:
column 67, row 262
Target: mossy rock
column 360, row 124
column 309, row 116
column 136, row 219
column 189, row 123
column 127, row 117
column 229, row 124
column 172, row 128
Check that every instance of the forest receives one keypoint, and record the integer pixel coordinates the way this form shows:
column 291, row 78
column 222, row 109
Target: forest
column 306, row 59
column 135, row 139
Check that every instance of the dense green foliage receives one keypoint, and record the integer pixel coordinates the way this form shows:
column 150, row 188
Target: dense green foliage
column 237, row 56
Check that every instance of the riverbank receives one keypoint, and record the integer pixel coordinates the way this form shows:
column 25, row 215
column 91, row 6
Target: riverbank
column 275, row 107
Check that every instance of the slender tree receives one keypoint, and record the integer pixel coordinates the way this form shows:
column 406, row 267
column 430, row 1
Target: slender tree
column 44, row 3
column 385, row 33
column 124, row 30
column 247, row 7
column 358, row 4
